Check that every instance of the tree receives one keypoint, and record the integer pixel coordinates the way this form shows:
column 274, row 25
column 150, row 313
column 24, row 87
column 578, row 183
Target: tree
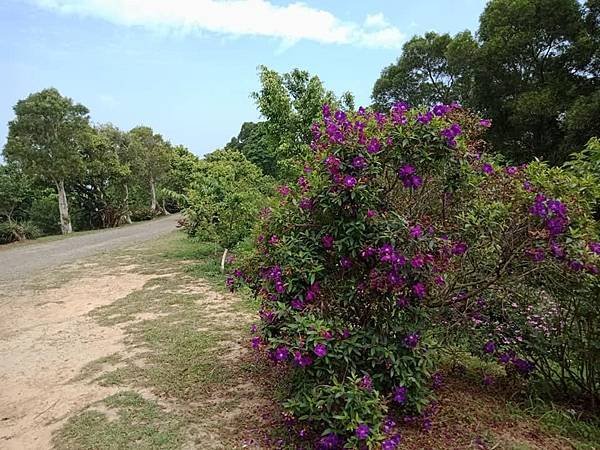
column 434, row 68
column 100, row 193
column 118, row 143
column 225, row 198
column 533, row 70
column 528, row 74
column 290, row 103
column 151, row 158
column 252, row 142
column 46, row 138
column 16, row 192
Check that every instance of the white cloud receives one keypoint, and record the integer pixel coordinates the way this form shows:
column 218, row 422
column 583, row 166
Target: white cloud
column 290, row 23
column 376, row 21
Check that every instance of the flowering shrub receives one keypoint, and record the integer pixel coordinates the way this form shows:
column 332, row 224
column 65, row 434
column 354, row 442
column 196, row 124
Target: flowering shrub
column 396, row 229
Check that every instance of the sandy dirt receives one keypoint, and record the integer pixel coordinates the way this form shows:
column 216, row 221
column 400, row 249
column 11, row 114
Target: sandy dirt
column 46, row 338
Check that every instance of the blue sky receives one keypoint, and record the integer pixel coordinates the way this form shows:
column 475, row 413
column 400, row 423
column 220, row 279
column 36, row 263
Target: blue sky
column 187, row 67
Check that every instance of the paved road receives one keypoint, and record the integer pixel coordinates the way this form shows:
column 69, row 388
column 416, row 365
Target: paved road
column 19, row 262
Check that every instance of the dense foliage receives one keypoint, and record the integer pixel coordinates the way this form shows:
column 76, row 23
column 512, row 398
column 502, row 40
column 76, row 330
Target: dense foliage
column 63, row 173
column 400, row 235
column 532, row 69
column 224, row 198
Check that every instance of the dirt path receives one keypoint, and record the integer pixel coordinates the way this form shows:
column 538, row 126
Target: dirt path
column 19, row 261
column 46, row 339
column 124, row 350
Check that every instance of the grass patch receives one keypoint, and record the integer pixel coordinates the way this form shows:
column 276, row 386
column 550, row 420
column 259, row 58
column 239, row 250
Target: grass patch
column 184, row 335
column 124, row 420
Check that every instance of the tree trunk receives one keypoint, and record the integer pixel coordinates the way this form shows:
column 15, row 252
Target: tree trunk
column 153, row 204
column 63, row 208
column 127, row 212
column 223, row 260
column 166, row 213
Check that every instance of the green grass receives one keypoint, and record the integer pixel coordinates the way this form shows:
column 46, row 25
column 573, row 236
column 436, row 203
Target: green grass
column 182, row 330
column 122, row 421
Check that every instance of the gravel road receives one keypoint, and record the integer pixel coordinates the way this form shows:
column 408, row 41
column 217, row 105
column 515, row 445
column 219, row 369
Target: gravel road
column 18, row 262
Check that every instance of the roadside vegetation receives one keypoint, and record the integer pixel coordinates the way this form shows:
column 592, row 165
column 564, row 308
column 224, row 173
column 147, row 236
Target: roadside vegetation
column 424, row 272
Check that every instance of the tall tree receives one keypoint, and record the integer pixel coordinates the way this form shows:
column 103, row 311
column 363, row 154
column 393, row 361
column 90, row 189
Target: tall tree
column 534, row 70
column 290, row 103
column 432, row 68
column 46, row 138
column 253, row 143
column 16, row 192
column 151, row 158
column 528, row 73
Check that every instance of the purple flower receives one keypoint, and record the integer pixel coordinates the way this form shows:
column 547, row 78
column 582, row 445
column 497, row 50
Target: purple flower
column 358, row 162
column 415, row 231
column 306, row 203
column 485, row 123
column 320, row 350
column 302, row 361
column 419, row 290
column 406, row 171
column 345, row 262
column 330, row 442
column 256, row 341
column 437, row 380
column 284, row 190
column 371, row 213
column 230, row 282
column 327, row 241
column 504, row 358
column 523, row 366
column 400, row 394
column 594, row 247
column 274, row 240
column 388, row 425
column 575, row 266
column 340, row 116
column 281, row 353
column 424, row 119
column 511, row 170
column 362, row 431
column 417, row 261
column 426, row 424
column 408, row 177
column 488, row 380
column 487, row 168
column 557, row 251
column 326, row 111
column 349, row 182
column 366, row 383
column 439, row 110
column 412, row 340
column 391, row 443
column 459, row 248
column 374, row 146
column 297, row 304
column 489, row 347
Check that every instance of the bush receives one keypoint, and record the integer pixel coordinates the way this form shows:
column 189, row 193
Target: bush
column 225, row 198
column 17, row 231
column 397, row 229
column 139, row 214
column 44, row 214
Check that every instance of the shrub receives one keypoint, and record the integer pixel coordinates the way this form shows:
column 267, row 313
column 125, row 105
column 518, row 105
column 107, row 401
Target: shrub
column 44, row 214
column 397, row 229
column 225, row 199
column 17, row 231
